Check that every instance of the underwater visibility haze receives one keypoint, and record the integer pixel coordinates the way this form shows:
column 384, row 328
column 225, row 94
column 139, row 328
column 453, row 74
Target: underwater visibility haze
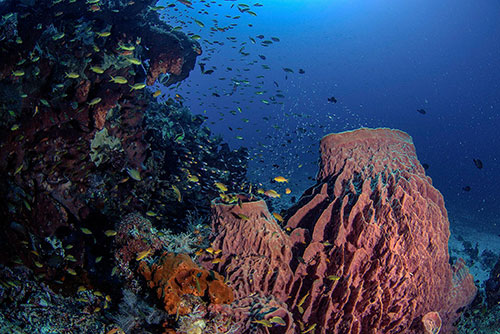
column 196, row 166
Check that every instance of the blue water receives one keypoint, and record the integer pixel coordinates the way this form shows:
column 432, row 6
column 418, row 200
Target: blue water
column 382, row 60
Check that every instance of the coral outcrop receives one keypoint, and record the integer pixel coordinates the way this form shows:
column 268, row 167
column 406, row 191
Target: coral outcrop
column 367, row 245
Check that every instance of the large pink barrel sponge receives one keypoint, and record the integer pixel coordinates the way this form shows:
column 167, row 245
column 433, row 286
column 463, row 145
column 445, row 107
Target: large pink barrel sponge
column 372, row 239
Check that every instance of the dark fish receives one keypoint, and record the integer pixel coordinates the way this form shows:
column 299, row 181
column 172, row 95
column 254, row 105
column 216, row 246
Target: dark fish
column 276, row 84
column 202, row 66
column 466, row 188
column 276, row 166
column 478, row 163
column 216, row 94
column 275, row 39
column 426, row 166
column 262, row 57
column 332, row 99
column 260, row 36
column 235, row 86
column 208, row 72
column 287, row 69
column 301, row 71
column 421, row 111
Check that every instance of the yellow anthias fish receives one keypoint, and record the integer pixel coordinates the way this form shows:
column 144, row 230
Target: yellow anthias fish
column 278, row 217
column 272, row 193
column 18, row 73
column 97, row 69
column 110, row 233
column 313, row 326
column 134, row 173
column 72, row 75
column 177, row 193
column 303, row 299
column 157, row 93
column 143, row 254
column 126, row 47
column 71, row 271
column 86, row 230
column 221, row 186
column 288, row 191
column 134, row 61
column 242, row 216
column 278, row 320
column 18, row 169
column 58, row 36
column 280, row 179
column 263, row 322
column 228, row 199
column 137, row 86
column 118, row 79
column 95, row 101
column 103, row 33
column 193, row 178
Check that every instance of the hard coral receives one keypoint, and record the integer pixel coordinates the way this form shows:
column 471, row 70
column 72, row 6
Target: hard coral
column 177, row 276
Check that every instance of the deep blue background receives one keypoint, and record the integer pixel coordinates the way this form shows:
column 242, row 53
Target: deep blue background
column 382, row 60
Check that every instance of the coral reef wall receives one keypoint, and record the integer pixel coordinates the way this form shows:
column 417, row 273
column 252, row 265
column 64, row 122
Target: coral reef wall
column 83, row 139
column 367, row 246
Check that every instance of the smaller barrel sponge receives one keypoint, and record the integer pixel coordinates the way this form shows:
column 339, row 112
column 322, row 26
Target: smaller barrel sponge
column 177, row 278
